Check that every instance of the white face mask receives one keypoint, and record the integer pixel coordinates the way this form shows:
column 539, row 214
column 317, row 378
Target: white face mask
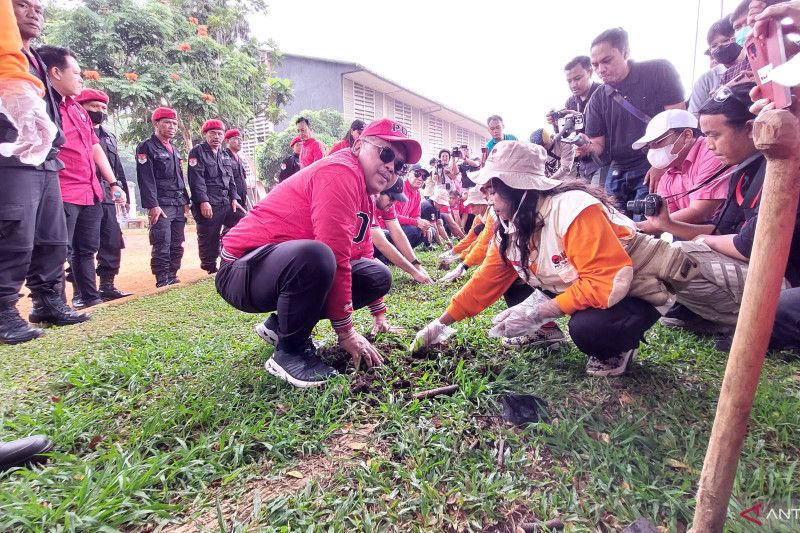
column 662, row 157
column 509, row 228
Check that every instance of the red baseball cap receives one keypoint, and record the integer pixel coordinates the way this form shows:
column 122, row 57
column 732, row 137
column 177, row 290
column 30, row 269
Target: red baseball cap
column 391, row 131
column 163, row 112
column 213, row 124
column 295, row 141
column 92, row 95
column 232, row 133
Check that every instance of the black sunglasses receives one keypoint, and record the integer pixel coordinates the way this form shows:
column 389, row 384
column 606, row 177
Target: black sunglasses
column 387, row 156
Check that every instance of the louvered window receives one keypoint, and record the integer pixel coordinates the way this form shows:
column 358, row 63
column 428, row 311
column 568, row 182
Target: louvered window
column 363, row 103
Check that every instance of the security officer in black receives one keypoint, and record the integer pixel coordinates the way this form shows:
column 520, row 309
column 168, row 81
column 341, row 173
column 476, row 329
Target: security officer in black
column 109, row 255
column 291, row 164
column 233, row 142
column 215, row 201
column 163, row 192
column 33, row 228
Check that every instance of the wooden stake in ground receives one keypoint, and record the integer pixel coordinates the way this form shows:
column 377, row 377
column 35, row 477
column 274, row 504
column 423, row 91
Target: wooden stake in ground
column 777, row 134
column 448, row 389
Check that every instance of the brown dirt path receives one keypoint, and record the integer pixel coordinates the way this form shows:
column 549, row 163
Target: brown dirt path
column 135, row 275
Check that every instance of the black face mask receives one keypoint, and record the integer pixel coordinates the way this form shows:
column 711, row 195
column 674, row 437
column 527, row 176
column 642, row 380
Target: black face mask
column 98, row 117
column 726, row 54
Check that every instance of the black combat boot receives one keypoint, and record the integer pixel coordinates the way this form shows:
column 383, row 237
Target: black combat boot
column 172, row 278
column 14, row 330
column 109, row 292
column 49, row 307
column 162, row 280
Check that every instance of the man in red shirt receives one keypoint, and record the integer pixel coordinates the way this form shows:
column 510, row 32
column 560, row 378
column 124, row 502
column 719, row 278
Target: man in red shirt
column 391, row 243
column 293, row 252
column 312, row 149
column 80, row 189
column 409, row 215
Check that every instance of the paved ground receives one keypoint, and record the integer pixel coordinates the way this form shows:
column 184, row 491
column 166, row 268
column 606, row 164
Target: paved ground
column 135, row 275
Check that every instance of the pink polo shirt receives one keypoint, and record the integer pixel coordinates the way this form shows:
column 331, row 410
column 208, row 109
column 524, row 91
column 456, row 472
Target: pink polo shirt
column 79, row 185
column 699, row 165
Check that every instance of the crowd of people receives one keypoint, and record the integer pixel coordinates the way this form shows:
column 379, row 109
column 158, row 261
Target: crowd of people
column 571, row 222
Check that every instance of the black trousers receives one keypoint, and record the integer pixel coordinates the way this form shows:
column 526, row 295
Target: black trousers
column 414, row 234
column 33, row 232
column 166, row 238
column 602, row 333
column 294, row 278
column 210, row 229
column 786, row 332
column 109, row 255
column 83, row 233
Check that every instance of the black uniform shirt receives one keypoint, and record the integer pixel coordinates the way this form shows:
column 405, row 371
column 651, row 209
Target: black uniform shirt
column 239, row 177
column 211, row 176
column 159, row 174
column 289, row 166
column 108, row 142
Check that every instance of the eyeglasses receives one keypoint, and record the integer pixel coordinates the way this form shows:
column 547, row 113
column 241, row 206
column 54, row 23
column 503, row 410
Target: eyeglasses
column 387, row 156
column 724, row 92
column 419, row 174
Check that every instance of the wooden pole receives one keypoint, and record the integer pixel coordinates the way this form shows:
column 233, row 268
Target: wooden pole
column 777, row 135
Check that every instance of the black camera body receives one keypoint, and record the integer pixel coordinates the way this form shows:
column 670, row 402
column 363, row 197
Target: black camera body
column 648, row 206
column 455, row 152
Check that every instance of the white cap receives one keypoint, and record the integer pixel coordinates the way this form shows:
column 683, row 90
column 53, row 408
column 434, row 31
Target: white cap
column 517, row 164
column 663, row 122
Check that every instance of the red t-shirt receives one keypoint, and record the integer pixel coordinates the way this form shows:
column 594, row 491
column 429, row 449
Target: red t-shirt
column 341, row 145
column 312, row 150
column 408, row 212
column 384, row 214
column 327, row 202
column 79, row 185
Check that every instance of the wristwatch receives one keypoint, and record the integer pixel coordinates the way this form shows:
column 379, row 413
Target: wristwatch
column 113, row 184
column 416, row 262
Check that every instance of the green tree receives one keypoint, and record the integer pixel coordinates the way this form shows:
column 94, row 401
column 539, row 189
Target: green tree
column 329, row 126
column 195, row 57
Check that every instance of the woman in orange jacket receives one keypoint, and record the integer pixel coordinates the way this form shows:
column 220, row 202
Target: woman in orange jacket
column 561, row 239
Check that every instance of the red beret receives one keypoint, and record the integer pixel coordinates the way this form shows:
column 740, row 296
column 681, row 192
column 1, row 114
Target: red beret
column 163, row 112
column 213, row 124
column 232, row 133
column 295, row 141
column 92, row 95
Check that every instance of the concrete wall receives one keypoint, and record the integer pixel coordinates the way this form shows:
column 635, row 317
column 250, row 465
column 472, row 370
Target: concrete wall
column 316, row 84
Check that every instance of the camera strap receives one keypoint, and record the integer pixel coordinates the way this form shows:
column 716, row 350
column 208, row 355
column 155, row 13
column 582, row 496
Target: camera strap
column 629, row 107
column 705, row 182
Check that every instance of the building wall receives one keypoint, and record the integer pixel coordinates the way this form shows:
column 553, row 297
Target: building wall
column 432, row 132
column 317, row 84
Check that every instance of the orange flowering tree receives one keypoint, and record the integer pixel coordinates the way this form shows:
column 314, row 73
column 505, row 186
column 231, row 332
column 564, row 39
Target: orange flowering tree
column 195, row 56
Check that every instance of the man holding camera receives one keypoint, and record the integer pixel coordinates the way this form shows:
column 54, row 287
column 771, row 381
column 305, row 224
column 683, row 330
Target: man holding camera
column 695, row 182
column 465, row 165
column 579, row 79
column 618, row 113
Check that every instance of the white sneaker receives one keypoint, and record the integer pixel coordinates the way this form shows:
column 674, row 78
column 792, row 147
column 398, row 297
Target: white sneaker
column 268, row 330
column 548, row 336
column 613, row 366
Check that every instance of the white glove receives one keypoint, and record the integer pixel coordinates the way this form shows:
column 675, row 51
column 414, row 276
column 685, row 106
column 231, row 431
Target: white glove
column 524, row 318
column 24, row 107
column 433, row 333
column 447, row 258
column 454, row 274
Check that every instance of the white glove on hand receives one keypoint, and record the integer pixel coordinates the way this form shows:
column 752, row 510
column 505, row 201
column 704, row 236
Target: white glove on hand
column 454, row 274
column 24, row 107
column 433, row 333
column 447, row 258
column 524, row 318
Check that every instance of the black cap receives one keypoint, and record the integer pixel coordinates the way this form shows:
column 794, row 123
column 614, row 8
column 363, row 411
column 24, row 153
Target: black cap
column 395, row 192
column 421, row 168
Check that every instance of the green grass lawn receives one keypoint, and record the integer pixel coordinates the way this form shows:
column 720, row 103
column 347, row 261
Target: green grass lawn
column 164, row 418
